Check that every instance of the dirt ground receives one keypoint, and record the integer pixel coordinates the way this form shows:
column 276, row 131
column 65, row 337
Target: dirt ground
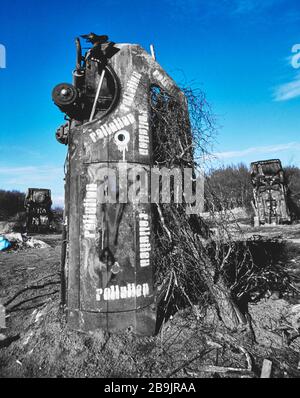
column 193, row 343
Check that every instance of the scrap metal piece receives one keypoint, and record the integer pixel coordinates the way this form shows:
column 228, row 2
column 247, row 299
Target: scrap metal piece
column 95, row 39
column 269, row 192
column 38, row 209
column 109, row 244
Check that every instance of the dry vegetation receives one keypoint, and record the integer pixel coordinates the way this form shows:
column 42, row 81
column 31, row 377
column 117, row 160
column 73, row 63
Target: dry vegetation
column 193, row 342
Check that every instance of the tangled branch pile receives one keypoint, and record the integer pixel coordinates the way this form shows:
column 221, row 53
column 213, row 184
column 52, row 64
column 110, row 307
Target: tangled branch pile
column 191, row 263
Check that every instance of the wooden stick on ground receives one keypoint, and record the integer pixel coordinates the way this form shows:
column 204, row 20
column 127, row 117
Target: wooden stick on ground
column 163, row 222
column 31, row 287
column 14, row 307
column 222, row 369
column 266, row 369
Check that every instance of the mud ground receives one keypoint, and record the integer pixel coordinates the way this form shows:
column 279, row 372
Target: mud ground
column 193, row 343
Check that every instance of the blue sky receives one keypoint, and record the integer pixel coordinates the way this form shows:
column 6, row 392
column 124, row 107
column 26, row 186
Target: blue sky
column 239, row 52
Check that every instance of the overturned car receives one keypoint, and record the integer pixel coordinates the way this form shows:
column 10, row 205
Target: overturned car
column 269, row 191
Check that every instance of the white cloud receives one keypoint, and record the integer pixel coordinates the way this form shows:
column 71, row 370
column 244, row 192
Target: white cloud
column 58, row 200
column 250, row 6
column 229, row 7
column 29, row 174
column 288, row 91
column 23, row 177
column 19, row 151
column 258, row 150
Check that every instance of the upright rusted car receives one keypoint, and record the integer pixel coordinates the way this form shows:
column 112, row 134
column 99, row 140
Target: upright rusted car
column 38, row 209
column 269, row 192
column 108, row 244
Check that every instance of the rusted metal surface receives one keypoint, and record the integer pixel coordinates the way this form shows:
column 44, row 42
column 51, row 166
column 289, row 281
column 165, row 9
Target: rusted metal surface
column 108, row 260
column 269, row 192
column 38, row 209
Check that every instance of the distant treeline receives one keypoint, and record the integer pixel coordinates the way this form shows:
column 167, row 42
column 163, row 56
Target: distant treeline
column 11, row 203
column 227, row 187
column 230, row 187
